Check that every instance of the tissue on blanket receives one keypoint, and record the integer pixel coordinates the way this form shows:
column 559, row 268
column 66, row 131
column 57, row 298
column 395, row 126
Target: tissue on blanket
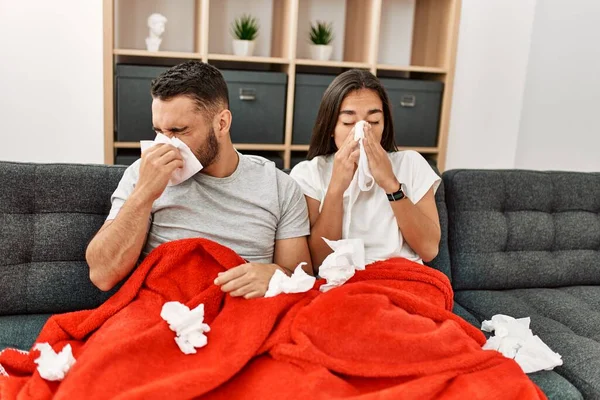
column 515, row 340
column 191, row 165
column 188, row 325
column 347, row 257
column 299, row 282
column 53, row 366
column 365, row 179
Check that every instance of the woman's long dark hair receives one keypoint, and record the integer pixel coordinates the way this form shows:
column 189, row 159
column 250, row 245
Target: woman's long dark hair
column 321, row 142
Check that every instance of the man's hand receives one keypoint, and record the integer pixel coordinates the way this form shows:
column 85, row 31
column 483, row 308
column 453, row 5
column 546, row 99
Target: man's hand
column 158, row 164
column 247, row 280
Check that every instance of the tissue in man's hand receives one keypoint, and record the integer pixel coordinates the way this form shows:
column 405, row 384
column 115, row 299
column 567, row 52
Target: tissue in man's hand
column 515, row 340
column 191, row 165
column 299, row 282
column 348, row 256
column 365, row 179
column 53, row 366
column 188, row 325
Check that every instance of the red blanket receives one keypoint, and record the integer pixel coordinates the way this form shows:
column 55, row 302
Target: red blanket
column 386, row 334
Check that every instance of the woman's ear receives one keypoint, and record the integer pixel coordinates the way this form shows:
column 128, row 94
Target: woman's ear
column 222, row 123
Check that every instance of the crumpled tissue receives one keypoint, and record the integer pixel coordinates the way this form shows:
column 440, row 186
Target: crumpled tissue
column 347, row 257
column 365, row 179
column 188, row 325
column 515, row 340
column 299, row 282
column 191, row 165
column 53, row 366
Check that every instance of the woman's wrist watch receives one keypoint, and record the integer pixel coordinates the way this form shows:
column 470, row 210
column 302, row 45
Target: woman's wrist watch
column 397, row 195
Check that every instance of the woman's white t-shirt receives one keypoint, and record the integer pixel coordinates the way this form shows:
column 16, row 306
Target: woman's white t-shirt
column 368, row 215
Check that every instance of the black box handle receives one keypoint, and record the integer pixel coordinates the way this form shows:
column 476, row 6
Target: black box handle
column 408, row 100
column 247, row 94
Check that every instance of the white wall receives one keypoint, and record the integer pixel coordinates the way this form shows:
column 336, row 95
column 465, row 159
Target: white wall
column 560, row 127
column 491, row 66
column 51, row 81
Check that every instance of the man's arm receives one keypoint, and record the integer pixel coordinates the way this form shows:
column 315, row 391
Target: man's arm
column 115, row 249
column 252, row 280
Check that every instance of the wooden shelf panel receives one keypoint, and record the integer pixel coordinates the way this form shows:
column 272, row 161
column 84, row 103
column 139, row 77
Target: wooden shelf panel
column 239, row 146
column 153, row 54
column 423, row 150
column 299, row 147
column 411, row 68
column 334, row 64
column 259, row 147
column 253, row 59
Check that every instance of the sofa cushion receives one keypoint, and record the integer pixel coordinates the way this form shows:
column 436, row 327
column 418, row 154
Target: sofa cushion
column 566, row 319
column 48, row 215
column 20, row 331
column 519, row 229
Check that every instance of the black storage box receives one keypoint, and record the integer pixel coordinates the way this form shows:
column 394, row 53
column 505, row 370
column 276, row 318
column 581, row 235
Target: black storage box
column 257, row 104
column 415, row 109
column 256, row 101
column 134, row 102
column 307, row 99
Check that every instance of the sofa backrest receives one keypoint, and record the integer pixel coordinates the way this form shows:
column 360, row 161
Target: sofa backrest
column 442, row 261
column 48, row 215
column 517, row 229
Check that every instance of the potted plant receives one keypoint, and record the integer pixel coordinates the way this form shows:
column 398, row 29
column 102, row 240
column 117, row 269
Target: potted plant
column 244, row 31
column 321, row 35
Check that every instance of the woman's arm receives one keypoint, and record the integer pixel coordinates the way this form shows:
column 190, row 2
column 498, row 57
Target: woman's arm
column 327, row 224
column 419, row 223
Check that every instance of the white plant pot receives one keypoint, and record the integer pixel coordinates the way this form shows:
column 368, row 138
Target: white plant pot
column 243, row 48
column 321, row 52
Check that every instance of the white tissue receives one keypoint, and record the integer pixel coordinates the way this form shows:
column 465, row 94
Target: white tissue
column 365, row 179
column 299, row 282
column 515, row 340
column 191, row 165
column 347, row 257
column 52, row 366
column 188, row 325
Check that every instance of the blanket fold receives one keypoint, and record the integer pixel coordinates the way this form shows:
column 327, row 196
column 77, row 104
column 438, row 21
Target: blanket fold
column 387, row 333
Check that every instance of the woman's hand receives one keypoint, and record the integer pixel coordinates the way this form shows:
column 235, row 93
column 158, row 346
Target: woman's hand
column 344, row 164
column 379, row 162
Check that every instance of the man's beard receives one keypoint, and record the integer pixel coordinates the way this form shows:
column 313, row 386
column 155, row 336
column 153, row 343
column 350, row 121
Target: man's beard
column 208, row 153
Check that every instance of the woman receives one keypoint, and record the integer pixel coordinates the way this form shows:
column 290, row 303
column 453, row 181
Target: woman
column 397, row 217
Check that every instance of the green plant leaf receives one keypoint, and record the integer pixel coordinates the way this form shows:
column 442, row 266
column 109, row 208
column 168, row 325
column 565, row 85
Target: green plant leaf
column 245, row 27
column 321, row 33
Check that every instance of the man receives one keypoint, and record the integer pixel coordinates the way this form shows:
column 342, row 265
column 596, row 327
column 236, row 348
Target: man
column 239, row 201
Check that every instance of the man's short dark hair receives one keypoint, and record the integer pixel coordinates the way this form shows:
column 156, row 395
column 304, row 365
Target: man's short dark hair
column 201, row 82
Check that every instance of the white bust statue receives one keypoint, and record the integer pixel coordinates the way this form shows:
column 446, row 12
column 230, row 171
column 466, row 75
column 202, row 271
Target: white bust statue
column 156, row 23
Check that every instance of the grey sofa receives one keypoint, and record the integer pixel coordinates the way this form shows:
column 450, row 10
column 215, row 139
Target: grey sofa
column 520, row 243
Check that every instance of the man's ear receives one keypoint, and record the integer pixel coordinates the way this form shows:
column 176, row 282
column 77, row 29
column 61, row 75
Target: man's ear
column 222, row 123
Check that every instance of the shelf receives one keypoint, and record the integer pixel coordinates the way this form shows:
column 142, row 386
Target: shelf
column 253, row 59
column 299, row 147
column 153, row 54
column 396, row 32
column 423, row 150
column 335, row 64
column 239, row 146
column 127, row 145
column 411, row 68
column 258, row 146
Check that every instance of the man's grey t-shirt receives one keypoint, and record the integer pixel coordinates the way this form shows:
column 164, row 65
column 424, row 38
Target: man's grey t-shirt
column 246, row 211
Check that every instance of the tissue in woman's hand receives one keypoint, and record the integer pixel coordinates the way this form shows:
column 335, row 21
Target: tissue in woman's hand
column 191, row 165
column 348, row 256
column 188, row 325
column 515, row 340
column 299, row 282
column 52, row 366
column 365, row 179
